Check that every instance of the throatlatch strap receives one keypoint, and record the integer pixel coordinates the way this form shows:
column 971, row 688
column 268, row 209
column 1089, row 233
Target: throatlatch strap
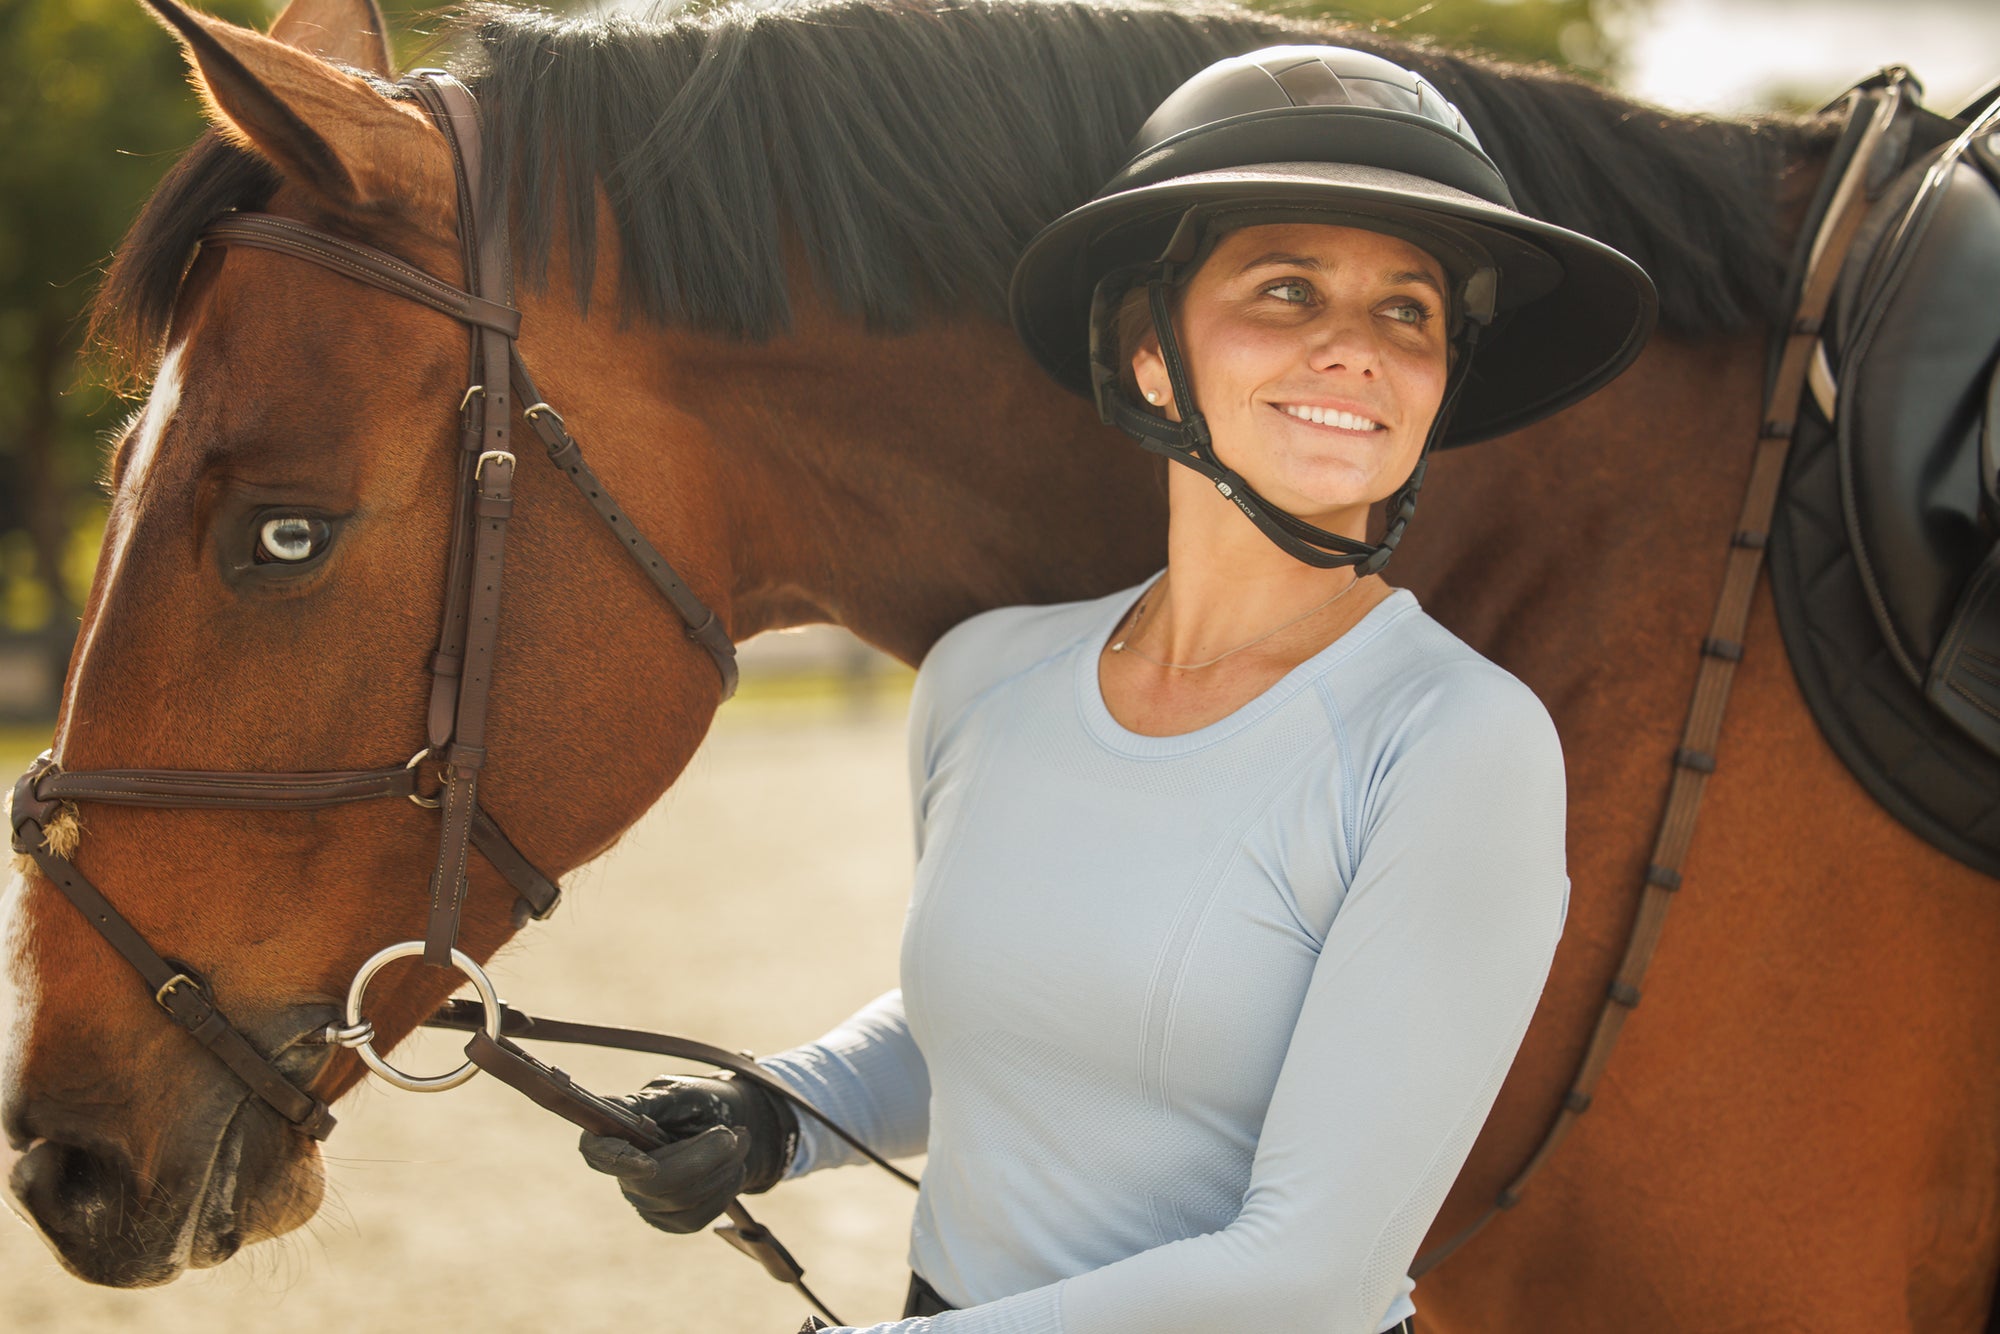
column 704, row 627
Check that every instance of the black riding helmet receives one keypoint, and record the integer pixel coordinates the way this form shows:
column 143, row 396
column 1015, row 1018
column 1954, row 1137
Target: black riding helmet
column 1333, row 135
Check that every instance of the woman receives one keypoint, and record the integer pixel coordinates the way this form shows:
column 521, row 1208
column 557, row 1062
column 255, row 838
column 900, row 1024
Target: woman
column 1236, row 892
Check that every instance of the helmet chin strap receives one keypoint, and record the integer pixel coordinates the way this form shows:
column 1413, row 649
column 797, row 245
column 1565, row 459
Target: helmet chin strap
column 1187, row 442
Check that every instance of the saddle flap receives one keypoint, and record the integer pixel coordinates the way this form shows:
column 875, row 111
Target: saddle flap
column 1916, row 339
column 1965, row 679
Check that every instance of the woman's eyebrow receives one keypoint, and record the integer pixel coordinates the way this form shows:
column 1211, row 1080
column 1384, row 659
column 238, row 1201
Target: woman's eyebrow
column 1280, row 257
column 1286, row 260
column 1416, row 276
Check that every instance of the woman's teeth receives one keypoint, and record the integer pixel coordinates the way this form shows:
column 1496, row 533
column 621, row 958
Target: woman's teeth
column 1346, row 421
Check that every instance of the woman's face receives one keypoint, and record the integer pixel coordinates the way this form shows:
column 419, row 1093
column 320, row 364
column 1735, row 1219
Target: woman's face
column 1317, row 354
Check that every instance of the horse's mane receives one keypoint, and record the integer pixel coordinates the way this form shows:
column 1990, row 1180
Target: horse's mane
column 907, row 150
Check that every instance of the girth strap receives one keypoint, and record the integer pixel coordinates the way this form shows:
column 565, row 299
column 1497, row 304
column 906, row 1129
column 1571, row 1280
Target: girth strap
column 1872, row 111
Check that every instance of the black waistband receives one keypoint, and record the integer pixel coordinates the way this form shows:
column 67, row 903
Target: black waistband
column 924, row 1300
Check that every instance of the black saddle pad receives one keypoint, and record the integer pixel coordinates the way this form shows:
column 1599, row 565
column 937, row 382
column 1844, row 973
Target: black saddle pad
column 1924, row 771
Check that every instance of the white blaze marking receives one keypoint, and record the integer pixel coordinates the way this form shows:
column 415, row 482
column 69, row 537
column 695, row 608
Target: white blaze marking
column 18, row 991
column 142, row 449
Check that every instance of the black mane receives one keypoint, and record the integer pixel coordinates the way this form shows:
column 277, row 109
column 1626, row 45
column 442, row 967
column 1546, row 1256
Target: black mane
column 907, row 150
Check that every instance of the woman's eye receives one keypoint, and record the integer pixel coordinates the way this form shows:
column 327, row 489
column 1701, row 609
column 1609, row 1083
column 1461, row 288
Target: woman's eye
column 1291, row 292
column 290, row 538
column 1410, row 312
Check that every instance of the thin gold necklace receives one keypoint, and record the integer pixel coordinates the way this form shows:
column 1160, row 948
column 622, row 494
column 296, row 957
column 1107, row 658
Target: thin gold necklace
column 1123, row 645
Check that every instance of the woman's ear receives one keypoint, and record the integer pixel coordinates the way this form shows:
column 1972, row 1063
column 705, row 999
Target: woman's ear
column 1149, row 379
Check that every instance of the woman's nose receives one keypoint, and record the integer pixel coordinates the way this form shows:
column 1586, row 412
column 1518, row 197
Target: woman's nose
column 1342, row 344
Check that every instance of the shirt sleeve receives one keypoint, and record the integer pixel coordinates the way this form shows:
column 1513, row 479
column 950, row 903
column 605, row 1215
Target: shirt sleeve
column 866, row 1074
column 1424, row 986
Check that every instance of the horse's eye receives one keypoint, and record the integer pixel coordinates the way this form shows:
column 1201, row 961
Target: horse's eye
column 290, row 538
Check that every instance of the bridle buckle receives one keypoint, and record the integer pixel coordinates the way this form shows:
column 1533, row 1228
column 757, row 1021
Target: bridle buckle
column 168, row 987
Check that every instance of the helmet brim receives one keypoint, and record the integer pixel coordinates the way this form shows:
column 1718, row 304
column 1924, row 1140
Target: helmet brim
column 1572, row 312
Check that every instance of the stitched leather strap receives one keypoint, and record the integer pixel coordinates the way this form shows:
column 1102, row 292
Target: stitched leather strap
column 175, row 989
column 704, row 627
column 467, row 755
column 200, row 789
column 375, row 267
column 468, row 1017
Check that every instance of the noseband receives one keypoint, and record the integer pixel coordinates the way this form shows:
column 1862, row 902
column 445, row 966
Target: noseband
column 462, row 667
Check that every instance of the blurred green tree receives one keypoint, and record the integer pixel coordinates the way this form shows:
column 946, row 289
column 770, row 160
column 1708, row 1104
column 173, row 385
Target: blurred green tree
column 1575, row 35
column 94, row 105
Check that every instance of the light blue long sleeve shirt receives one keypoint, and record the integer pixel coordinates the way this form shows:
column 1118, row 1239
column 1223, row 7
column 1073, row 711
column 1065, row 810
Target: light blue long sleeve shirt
column 1198, row 1030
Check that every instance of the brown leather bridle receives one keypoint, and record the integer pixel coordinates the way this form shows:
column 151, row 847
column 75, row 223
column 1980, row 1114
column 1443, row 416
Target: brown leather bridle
column 462, row 667
column 455, row 723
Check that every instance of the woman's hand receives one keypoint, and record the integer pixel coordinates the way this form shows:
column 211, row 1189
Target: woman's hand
column 728, row 1138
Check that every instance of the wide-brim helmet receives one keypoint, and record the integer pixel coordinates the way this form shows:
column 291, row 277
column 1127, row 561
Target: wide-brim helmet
column 1335, row 135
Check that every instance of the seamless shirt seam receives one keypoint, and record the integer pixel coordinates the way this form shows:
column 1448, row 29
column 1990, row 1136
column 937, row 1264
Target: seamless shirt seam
column 922, row 914
column 1349, row 798
column 1229, row 847
column 979, row 697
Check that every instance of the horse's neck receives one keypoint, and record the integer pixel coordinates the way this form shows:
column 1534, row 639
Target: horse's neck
column 895, row 485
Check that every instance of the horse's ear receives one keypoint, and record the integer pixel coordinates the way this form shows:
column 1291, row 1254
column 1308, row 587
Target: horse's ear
column 324, row 128
column 348, row 31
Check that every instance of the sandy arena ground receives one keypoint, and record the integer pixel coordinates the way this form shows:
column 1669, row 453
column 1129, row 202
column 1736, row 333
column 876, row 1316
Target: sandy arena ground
column 758, row 905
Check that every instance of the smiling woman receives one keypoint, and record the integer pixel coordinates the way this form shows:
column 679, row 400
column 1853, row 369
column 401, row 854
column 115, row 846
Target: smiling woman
column 1342, row 330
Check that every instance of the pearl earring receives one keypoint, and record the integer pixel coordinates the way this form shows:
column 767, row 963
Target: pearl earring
column 1153, row 396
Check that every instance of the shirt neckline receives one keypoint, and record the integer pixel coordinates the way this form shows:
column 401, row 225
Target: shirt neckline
column 1114, row 735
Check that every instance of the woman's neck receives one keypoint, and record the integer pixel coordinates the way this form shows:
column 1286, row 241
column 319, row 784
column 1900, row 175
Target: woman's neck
column 1226, row 584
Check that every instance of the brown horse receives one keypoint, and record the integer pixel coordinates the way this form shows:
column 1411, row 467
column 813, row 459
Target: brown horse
column 786, row 231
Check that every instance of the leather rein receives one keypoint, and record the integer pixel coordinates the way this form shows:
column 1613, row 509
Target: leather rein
column 455, row 724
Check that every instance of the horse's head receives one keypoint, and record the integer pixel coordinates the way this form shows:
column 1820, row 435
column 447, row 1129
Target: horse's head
column 268, row 599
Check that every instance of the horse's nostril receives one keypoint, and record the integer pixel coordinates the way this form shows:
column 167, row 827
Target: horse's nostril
column 70, row 1191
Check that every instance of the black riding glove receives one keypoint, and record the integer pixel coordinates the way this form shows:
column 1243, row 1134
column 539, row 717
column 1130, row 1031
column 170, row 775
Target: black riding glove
column 728, row 1138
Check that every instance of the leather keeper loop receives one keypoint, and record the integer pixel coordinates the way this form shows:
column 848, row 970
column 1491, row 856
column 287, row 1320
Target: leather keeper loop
column 446, row 664
column 1664, row 877
column 495, row 507
column 1577, row 1101
column 464, row 758
column 1507, row 1199
column 1625, row 994
column 28, row 836
column 1777, row 430
column 1749, row 540
column 1701, row 761
column 1726, row 649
